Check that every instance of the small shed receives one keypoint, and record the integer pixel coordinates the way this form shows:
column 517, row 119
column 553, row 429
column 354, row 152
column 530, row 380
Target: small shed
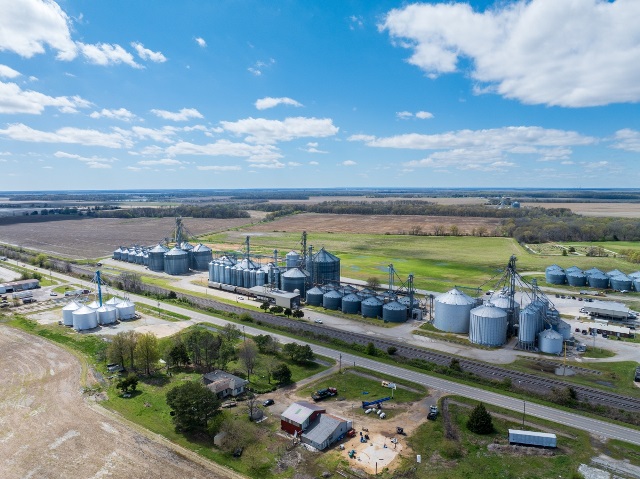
column 327, row 430
column 298, row 416
column 532, row 438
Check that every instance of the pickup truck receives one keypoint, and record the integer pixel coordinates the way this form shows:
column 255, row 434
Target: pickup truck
column 324, row 393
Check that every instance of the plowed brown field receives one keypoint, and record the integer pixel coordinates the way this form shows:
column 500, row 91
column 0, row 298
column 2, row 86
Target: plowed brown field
column 374, row 224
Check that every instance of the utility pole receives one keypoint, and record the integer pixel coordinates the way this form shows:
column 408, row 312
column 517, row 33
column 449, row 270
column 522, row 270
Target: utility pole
column 340, row 364
column 524, row 409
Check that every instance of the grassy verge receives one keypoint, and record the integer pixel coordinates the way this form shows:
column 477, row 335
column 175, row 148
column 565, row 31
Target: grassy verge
column 161, row 313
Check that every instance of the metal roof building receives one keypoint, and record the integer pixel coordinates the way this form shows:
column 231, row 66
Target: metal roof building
column 608, row 309
column 532, row 438
column 327, row 430
column 298, row 416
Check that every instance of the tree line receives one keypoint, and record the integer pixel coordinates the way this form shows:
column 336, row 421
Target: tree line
column 228, row 210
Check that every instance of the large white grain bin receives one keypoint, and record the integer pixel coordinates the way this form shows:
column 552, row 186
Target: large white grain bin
column 107, row 314
column 84, row 318
column 67, row 313
column 126, row 310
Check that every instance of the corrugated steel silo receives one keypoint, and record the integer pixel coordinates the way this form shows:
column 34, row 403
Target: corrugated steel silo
column 227, row 275
column 131, row 258
column 555, row 275
column 261, row 277
column 294, row 278
column 488, row 325
column 503, row 302
column 577, row 278
column 563, row 328
column 530, row 325
column 598, row 280
column 371, row 307
column 621, row 282
column 126, row 309
column 93, row 305
column 84, row 318
column 635, row 277
column 325, row 267
column 591, row 271
column 201, row 257
column 117, row 253
column 145, row 258
column 156, row 258
column 572, row 269
column 176, row 261
column 351, row 303
column 139, row 257
column 452, row 311
column 314, row 296
column 113, row 301
column 394, row 312
column 614, row 272
column 124, row 254
column 67, row 313
column 332, row 300
column 550, row 341
column 213, row 271
column 106, row 314
column 253, row 278
column 293, row 260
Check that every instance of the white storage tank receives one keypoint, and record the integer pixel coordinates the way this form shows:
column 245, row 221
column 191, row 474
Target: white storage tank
column 126, row 309
column 84, row 318
column 106, row 314
column 67, row 313
column 488, row 325
column 93, row 305
column 550, row 342
column 113, row 301
column 452, row 311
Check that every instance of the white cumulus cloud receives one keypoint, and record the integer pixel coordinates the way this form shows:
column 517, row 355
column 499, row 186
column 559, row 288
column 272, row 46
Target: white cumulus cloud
column 269, row 102
column 182, row 115
column 424, row 115
column 91, row 162
column 21, row 132
column 261, row 130
column 119, row 114
column 201, row 42
column 14, row 99
column 27, row 27
column 224, row 148
column 219, row 168
column 559, row 53
column 349, row 163
column 147, row 54
column 627, row 139
column 107, row 54
column 8, row 72
column 163, row 162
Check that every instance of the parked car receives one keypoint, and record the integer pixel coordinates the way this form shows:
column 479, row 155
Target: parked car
column 238, row 452
column 268, row 402
column 53, row 293
column 319, row 321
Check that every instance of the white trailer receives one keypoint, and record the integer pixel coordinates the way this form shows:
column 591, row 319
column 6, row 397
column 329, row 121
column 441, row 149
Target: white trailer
column 532, row 438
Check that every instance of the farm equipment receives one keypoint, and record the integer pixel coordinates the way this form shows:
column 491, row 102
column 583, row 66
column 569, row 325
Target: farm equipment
column 377, row 403
column 351, row 433
column 400, row 430
column 324, row 393
column 352, row 454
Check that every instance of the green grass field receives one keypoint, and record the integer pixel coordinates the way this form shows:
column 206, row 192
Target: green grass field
column 437, row 262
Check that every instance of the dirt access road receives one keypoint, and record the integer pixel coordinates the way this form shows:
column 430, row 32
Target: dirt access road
column 49, row 430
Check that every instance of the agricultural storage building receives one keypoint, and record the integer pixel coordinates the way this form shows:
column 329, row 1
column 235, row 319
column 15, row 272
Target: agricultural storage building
column 371, row 307
column 176, row 261
column 67, row 313
column 84, row 318
column 531, row 323
column 554, row 274
column 488, row 325
column 201, row 256
column 298, row 416
column 126, row 309
column 452, row 311
column 532, row 438
column 550, row 341
column 394, row 312
column 621, row 282
column 314, row 296
column 325, row 431
column 295, row 278
column 156, row 258
column 280, row 298
column 324, row 267
column 21, row 285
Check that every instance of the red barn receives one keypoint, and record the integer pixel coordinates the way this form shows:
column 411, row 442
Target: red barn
column 299, row 416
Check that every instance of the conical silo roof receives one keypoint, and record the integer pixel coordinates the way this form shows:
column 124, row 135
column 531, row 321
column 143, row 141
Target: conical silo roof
column 201, row 247
column 455, row 297
column 323, row 256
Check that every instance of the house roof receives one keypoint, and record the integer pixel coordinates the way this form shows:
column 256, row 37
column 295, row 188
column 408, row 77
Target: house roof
column 300, row 411
column 322, row 429
column 219, row 381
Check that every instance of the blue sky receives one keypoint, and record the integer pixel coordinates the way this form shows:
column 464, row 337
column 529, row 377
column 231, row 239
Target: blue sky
column 242, row 94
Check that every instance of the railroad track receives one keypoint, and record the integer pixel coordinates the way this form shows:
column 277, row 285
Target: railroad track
column 522, row 380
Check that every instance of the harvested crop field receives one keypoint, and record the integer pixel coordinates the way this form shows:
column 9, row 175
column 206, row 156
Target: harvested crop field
column 365, row 199
column 375, row 224
column 618, row 210
column 48, row 430
column 98, row 237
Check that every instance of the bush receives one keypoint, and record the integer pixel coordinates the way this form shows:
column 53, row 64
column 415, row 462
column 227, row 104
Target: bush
column 391, row 350
column 480, row 420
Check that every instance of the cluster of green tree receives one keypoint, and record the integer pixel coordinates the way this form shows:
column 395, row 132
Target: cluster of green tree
column 134, row 351
column 406, row 207
column 541, row 229
column 631, row 255
column 227, row 210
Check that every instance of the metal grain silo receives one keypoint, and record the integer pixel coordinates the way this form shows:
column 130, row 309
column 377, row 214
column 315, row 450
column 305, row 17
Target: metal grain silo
column 93, row 305
column 351, row 303
column 124, row 254
column 488, row 325
column 294, row 278
column 106, row 314
column 227, row 275
column 237, row 278
column 274, row 276
column 394, row 312
column 293, row 260
column 366, row 293
column 614, row 272
column 591, row 271
column 67, row 313
column 201, row 257
column 314, row 296
column 131, row 258
column 621, row 282
column 145, row 258
column 213, row 270
column 572, row 269
column 407, row 301
column 176, row 261
column 253, row 278
column 577, row 278
column 531, row 324
column 113, row 301
column 261, row 277
column 555, row 275
column 117, row 253
column 563, row 328
column 550, row 342
column 598, row 280
column 126, row 309
column 371, row 307
column 156, row 258
column 139, row 257
column 332, row 300
column 84, row 318
column 325, row 267
column 635, row 278
column 452, row 311
column 504, row 302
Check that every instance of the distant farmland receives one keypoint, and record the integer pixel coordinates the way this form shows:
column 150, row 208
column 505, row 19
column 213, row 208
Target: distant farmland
column 617, row 210
column 375, row 224
column 83, row 238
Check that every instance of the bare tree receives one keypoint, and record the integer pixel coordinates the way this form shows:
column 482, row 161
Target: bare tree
column 248, row 355
column 252, row 405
